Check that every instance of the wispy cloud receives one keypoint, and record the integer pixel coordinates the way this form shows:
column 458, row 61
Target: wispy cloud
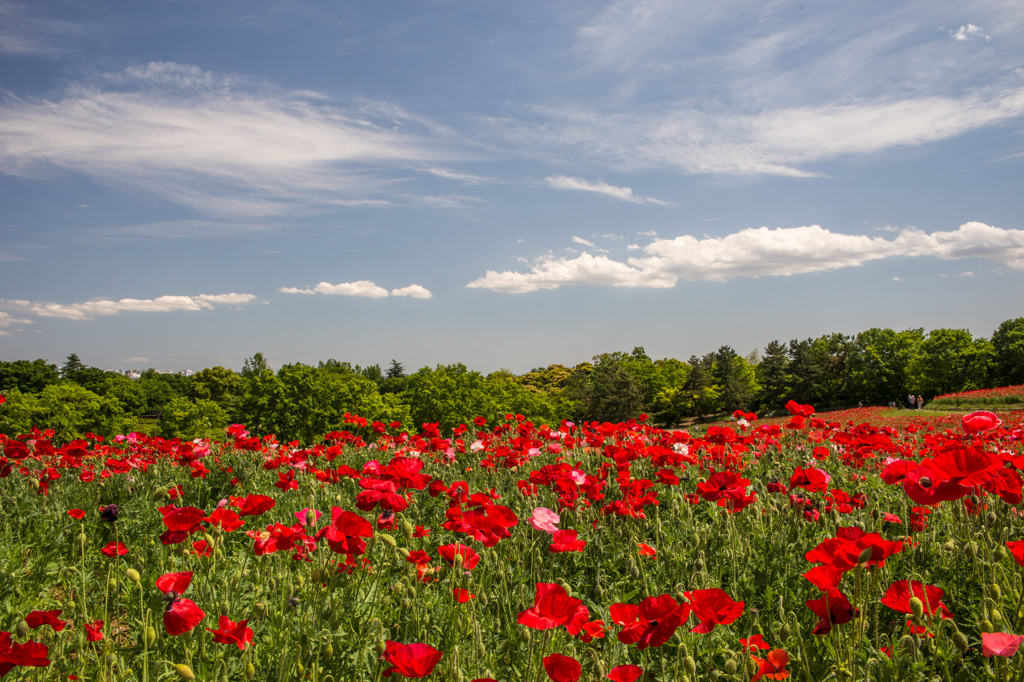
column 760, row 252
column 25, row 31
column 219, row 143
column 969, row 32
column 467, row 178
column 361, row 289
column 584, row 242
column 8, row 320
column 623, row 193
column 105, row 307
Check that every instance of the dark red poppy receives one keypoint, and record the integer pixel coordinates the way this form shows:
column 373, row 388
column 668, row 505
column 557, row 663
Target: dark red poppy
column 1017, row 550
column 562, row 668
column 252, row 505
column 652, row 623
column 552, row 608
column 29, row 654
column 114, row 549
column 713, row 607
column 410, row 660
column 76, row 514
column 180, row 615
column 51, row 618
column 832, row 609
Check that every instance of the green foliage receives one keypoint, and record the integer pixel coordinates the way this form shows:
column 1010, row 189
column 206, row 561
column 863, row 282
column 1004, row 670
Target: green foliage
column 27, row 376
column 70, row 410
column 950, row 361
column 220, row 385
column 187, row 419
column 1008, row 344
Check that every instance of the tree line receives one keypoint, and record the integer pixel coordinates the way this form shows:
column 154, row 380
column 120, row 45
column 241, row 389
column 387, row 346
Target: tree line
column 302, row 402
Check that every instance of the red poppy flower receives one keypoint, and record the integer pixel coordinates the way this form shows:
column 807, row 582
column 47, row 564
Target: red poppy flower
column 181, row 616
column 713, row 607
column 462, row 596
column 30, row 653
column 772, row 666
column 595, row 629
column 469, row 556
column 1000, row 644
column 346, row 532
column 566, row 541
column 114, row 549
column 226, row 519
column 1017, row 550
column 833, row 608
column 647, row 550
column 562, row 668
column 51, row 618
column 754, row 643
column 410, row 660
column 899, row 594
column 980, row 421
column 174, row 582
column 229, row 632
column 553, row 607
column 76, row 514
column 625, row 673
column 94, row 631
column 252, row 505
column 650, row 624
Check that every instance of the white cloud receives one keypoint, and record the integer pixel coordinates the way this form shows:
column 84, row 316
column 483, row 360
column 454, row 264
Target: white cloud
column 623, row 193
column 362, row 289
column 467, row 178
column 969, row 32
column 412, row 291
column 6, row 320
column 760, row 252
column 135, row 360
column 584, row 242
column 217, row 143
column 105, row 307
column 680, row 136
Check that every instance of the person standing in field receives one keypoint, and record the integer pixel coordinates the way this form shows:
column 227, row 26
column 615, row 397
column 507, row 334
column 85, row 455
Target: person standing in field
column 911, row 401
column 920, row 402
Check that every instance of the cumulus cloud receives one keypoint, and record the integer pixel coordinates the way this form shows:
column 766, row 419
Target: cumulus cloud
column 412, row 291
column 757, row 252
column 969, row 32
column 106, row 307
column 218, row 143
column 623, row 193
column 361, row 289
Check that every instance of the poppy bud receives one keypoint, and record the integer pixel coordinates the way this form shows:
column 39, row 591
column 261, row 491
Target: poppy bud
column 865, row 555
column 690, row 666
column 784, row 632
column 328, row 652
column 184, row 672
column 380, row 647
column 112, row 584
column 82, row 538
column 150, row 636
column 22, row 628
column 565, row 586
column 950, row 546
column 986, row 626
column 960, row 640
column 999, row 553
column 133, row 575
column 994, row 592
column 408, row 529
column 908, row 642
column 310, row 518
column 250, row 670
column 997, row 618
column 300, row 670
column 916, row 607
column 260, row 608
column 387, row 539
column 730, row 666
column 972, row 549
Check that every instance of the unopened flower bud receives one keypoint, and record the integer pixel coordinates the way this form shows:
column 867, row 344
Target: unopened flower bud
column 184, row 672
column 916, row 607
column 387, row 539
column 690, row 666
column 133, row 575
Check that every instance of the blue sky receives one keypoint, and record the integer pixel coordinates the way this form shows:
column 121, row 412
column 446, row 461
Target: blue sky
column 504, row 184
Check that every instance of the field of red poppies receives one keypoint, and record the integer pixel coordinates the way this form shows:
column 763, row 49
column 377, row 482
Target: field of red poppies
column 822, row 547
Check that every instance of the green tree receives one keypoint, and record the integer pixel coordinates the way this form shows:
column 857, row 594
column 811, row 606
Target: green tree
column 187, row 419
column 734, row 379
column 72, row 364
column 26, row 376
column 70, row 410
column 950, row 361
column 221, row 385
column 1008, row 344
column 879, row 363
column 448, row 395
column 773, row 377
